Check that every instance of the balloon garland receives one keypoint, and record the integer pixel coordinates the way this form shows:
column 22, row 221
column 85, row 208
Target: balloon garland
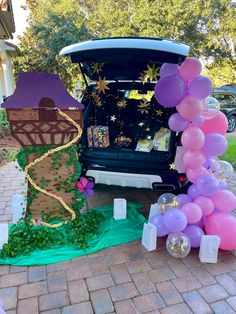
column 51, row 152
column 207, row 207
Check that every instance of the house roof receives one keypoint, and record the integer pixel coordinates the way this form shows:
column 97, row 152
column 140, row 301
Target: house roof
column 7, row 24
column 32, row 87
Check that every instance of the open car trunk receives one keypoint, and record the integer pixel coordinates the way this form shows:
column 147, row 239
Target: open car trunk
column 139, row 118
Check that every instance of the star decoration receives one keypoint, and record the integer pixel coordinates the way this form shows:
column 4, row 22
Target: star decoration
column 147, row 129
column 102, row 85
column 159, row 112
column 142, row 77
column 149, row 137
column 97, row 67
column 151, row 73
column 113, row 118
column 143, row 106
column 172, row 166
column 97, row 100
column 122, row 123
column 122, row 103
column 141, row 124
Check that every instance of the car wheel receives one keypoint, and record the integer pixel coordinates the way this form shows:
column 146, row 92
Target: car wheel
column 232, row 124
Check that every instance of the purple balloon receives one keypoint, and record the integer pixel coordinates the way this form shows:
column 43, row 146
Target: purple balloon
column 175, row 220
column 195, row 234
column 207, row 185
column 169, row 69
column 170, row 90
column 223, row 185
column 157, row 221
column 200, row 223
column 215, row 145
column 177, row 123
column 193, row 192
column 183, row 199
column 198, row 121
column 200, row 87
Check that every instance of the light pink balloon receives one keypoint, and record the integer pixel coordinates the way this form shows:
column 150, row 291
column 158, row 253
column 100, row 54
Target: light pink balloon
column 224, row 200
column 205, row 204
column 193, row 138
column 218, row 124
column 193, row 212
column 193, row 159
column 224, row 226
column 190, row 68
column 190, row 108
column 194, row 174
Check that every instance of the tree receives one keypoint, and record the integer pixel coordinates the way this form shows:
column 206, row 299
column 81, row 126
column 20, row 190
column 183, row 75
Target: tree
column 206, row 25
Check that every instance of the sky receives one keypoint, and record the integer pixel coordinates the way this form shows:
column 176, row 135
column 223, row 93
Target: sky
column 20, row 17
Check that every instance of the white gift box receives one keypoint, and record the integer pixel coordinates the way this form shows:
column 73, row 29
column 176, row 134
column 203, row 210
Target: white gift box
column 209, row 247
column 18, row 203
column 154, row 210
column 119, row 208
column 149, row 237
column 3, row 234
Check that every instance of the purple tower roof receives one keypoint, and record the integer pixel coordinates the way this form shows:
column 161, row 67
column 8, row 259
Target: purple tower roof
column 32, row 87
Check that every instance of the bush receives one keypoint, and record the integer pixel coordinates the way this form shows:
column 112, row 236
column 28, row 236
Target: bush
column 4, row 124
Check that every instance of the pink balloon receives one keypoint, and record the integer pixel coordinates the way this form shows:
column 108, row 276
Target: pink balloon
column 200, row 87
column 218, row 124
column 193, row 138
column 224, row 226
column 205, row 204
column 190, row 68
column 194, row 174
column 193, row 159
column 224, row 200
column 190, row 108
column 193, row 212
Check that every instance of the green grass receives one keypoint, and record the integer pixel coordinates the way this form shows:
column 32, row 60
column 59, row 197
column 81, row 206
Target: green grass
column 230, row 154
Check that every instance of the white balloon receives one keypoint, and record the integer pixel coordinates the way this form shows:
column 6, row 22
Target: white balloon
column 211, row 107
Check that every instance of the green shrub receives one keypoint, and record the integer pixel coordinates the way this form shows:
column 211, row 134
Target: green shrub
column 4, row 124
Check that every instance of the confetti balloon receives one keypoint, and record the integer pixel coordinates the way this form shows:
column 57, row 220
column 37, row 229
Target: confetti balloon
column 211, row 107
column 226, row 170
column 178, row 244
column 167, row 201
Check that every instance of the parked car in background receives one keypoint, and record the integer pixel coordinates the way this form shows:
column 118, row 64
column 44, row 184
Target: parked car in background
column 227, row 99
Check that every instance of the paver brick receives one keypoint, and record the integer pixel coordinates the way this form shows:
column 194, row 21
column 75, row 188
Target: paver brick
column 162, row 274
column 138, row 266
column 180, row 308
column 83, row 308
column 78, row 291
column 125, row 307
column 56, row 281
column 232, row 302
column 148, row 302
column 228, row 283
column 221, row 307
column 123, row 292
column 117, row 258
column 58, row 266
column 11, row 312
column 120, row 274
column 178, row 268
column 99, row 282
column 28, row 306
column 217, row 269
column 168, row 292
column 53, row 300
column 213, row 293
column 185, row 284
column 101, row 301
column 32, row 290
column 37, row 273
column 143, row 283
column 18, row 269
column 4, row 269
column 99, row 266
column 196, row 303
column 9, row 297
column 155, row 259
column 203, row 276
column 55, row 311
column 80, row 272
column 12, row 280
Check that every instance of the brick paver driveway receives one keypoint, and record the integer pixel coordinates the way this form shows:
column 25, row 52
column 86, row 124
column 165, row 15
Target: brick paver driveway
column 124, row 279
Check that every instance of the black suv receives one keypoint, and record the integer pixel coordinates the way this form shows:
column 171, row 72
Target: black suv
column 120, row 76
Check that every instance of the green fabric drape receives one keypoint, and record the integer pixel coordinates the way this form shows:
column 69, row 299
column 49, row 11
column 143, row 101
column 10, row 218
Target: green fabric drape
column 111, row 232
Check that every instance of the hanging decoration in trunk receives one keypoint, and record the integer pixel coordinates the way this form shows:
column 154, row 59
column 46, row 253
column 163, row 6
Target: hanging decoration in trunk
column 207, row 208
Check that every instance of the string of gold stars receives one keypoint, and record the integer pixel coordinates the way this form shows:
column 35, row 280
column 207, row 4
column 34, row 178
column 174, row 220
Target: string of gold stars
column 51, row 152
column 102, row 85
